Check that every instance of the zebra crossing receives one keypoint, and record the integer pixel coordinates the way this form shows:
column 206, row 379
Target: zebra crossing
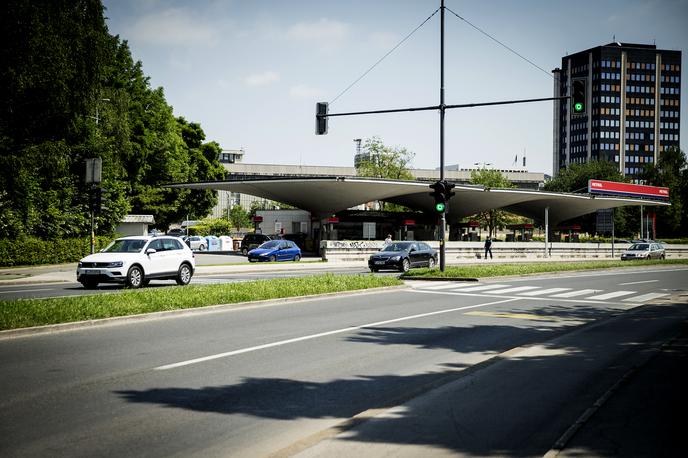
column 535, row 291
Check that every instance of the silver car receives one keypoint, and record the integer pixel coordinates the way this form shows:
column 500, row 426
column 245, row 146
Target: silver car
column 645, row 250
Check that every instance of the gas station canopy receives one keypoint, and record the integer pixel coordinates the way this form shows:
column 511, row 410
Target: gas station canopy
column 324, row 196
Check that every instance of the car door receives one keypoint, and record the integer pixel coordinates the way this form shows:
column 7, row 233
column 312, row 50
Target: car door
column 415, row 255
column 156, row 261
column 283, row 252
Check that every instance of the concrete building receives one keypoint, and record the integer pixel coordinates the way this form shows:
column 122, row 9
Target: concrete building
column 633, row 106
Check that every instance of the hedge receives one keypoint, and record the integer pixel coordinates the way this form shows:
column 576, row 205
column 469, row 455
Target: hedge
column 32, row 251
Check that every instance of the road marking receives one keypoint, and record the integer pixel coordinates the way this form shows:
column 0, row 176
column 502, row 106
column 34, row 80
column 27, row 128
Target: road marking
column 518, row 316
column 513, row 290
column 542, row 292
column 579, row 292
column 484, row 287
column 637, row 282
column 322, row 334
column 26, row 290
column 604, row 297
column 645, row 297
column 519, row 298
column 448, row 285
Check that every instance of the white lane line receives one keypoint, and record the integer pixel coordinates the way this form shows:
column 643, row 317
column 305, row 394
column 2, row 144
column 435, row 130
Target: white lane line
column 542, row 292
column 484, row 287
column 513, row 290
column 579, row 292
column 645, row 297
column 322, row 334
column 520, row 298
column 612, row 295
column 25, row 290
column 637, row 282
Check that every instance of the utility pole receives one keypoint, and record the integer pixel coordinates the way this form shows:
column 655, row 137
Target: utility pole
column 443, row 107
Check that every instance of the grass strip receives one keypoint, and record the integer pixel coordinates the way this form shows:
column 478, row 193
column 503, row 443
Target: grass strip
column 524, row 268
column 24, row 313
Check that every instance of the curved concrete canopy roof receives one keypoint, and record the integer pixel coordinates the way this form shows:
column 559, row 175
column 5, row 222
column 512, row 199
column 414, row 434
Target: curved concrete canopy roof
column 326, row 196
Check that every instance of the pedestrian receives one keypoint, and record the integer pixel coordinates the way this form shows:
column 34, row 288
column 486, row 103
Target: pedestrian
column 488, row 247
column 388, row 240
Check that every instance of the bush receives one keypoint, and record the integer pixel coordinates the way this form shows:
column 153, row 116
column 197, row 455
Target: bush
column 31, row 251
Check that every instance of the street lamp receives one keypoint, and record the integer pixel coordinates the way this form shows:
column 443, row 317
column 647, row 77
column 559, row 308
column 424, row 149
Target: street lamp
column 97, row 117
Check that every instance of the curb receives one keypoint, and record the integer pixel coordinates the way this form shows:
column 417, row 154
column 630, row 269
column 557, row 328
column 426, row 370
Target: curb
column 438, row 278
column 61, row 327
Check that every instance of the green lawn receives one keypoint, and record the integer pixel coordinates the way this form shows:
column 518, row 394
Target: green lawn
column 37, row 312
column 524, row 268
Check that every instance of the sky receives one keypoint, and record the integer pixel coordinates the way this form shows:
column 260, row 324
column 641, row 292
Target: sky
column 251, row 71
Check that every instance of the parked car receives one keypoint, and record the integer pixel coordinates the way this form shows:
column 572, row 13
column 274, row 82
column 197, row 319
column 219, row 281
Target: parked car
column 403, row 256
column 196, row 242
column 275, row 250
column 176, row 232
column 253, row 240
column 135, row 261
column 644, row 250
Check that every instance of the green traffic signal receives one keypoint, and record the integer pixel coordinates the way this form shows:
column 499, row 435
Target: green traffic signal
column 578, row 107
column 439, row 206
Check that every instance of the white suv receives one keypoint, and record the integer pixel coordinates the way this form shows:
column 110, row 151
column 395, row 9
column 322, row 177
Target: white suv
column 135, row 261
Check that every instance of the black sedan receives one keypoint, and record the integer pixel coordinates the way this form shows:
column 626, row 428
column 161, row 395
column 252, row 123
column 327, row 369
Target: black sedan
column 402, row 256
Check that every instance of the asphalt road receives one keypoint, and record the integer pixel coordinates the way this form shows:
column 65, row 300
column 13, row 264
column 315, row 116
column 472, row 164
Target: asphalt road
column 504, row 367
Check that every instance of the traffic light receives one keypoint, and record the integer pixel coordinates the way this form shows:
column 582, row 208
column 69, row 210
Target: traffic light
column 448, row 193
column 97, row 201
column 321, row 109
column 578, row 105
column 440, row 191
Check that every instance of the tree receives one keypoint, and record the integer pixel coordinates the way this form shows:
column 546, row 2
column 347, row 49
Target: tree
column 238, row 217
column 385, row 162
column 574, row 178
column 493, row 217
column 670, row 171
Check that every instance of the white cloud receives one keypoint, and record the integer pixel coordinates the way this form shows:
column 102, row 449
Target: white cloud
column 262, row 79
column 326, row 33
column 304, row 91
column 384, row 40
column 171, row 27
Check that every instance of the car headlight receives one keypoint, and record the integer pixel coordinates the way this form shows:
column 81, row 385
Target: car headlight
column 81, row 264
column 263, row 254
column 116, row 264
column 395, row 258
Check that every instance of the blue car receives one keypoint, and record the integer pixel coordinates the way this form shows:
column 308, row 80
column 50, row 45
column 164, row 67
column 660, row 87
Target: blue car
column 275, row 250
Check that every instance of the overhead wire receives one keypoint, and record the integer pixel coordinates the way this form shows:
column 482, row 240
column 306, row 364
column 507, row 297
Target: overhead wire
column 383, row 57
column 500, row 43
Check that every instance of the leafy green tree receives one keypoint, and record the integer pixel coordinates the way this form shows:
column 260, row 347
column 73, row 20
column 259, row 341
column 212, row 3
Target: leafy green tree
column 385, row 162
column 671, row 171
column 238, row 217
column 574, row 178
column 492, row 218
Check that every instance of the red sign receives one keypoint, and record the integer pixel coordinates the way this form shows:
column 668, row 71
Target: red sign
column 627, row 189
column 334, row 219
column 409, row 222
column 257, row 219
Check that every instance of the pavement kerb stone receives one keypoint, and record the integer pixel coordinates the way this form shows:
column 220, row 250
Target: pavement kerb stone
column 60, row 327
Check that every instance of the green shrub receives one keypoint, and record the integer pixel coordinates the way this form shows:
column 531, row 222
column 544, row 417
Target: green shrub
column 31, row 251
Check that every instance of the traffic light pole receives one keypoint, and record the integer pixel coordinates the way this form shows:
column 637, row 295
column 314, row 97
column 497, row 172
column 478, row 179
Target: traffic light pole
column 443, row 107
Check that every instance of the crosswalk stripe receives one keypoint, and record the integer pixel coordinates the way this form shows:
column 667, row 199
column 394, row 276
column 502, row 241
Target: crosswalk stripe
column 645, row 297
column 579, row 292
column 612, row 295
column 543, row 292
column 448, row 286
column 513, row 290
column 484, row 287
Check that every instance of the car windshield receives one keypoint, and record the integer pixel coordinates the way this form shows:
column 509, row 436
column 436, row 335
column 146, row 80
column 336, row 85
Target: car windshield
column 271, row 245
column 125, row 246
column 396, row 247
column 639, row 247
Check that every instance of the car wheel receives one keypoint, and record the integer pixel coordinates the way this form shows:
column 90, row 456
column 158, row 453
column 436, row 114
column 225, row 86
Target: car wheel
column 297, row 258
column 244, row 251
column 201, row 248
column 135, row 277
column 431, row 263
column 272, row 259
column 89, row 284
column 405, row 265
column 184, row 275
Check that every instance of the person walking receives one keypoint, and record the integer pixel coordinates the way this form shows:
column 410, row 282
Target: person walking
column 388, row 240
column 488, row 247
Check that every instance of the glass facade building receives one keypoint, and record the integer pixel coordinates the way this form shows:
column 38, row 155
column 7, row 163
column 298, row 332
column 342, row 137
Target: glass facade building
column 632, row 106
